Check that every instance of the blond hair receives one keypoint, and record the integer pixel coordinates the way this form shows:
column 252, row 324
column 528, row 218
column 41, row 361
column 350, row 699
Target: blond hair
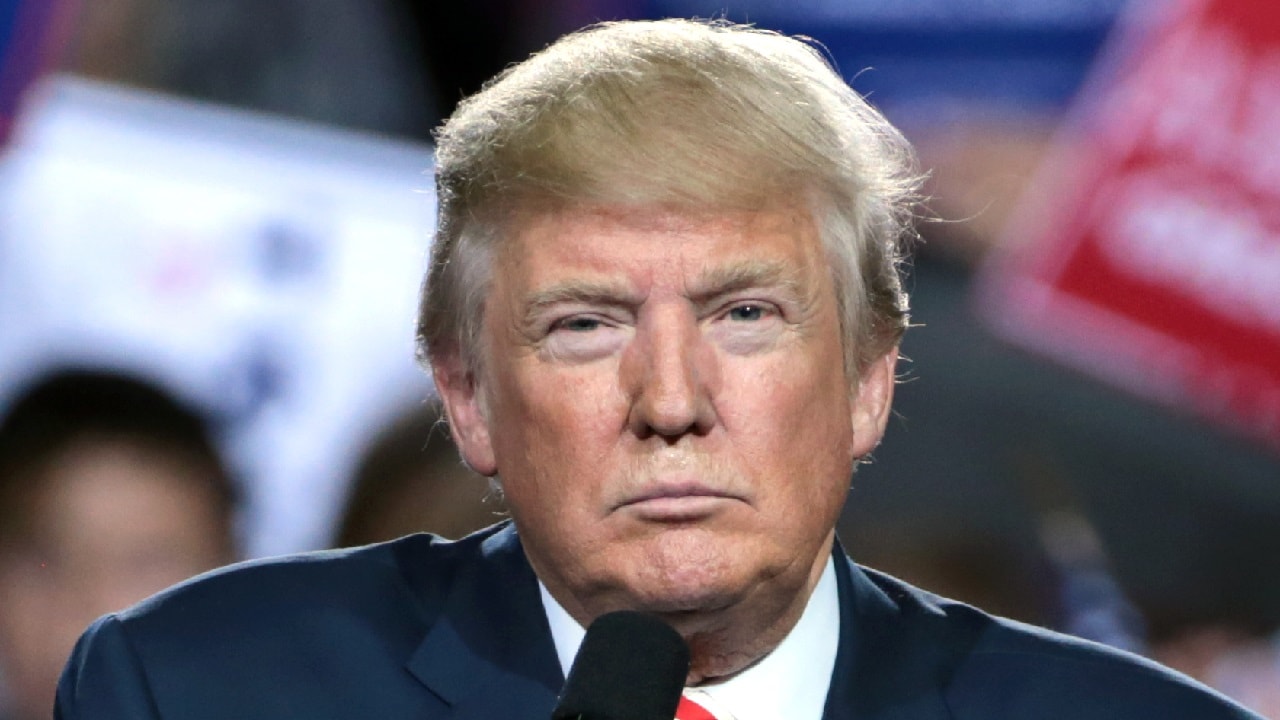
column 675, row 113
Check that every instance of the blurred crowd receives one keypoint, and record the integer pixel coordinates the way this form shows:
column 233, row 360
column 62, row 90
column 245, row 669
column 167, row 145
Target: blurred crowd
column 1006, row 480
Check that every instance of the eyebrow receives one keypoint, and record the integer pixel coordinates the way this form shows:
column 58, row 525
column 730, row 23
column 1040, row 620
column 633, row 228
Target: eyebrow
column 587, row 292
column 706, row 288
column 745, row 275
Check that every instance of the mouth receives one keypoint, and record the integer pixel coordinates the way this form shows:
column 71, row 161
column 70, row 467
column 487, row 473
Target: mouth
column 676, row 503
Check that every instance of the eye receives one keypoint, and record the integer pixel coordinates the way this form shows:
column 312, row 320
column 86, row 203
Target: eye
column 578, row 324
column 747, row 312
column 744, row 327
column 583, row 337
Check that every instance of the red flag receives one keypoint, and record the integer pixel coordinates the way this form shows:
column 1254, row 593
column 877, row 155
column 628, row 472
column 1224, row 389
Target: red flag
column 1148, row 252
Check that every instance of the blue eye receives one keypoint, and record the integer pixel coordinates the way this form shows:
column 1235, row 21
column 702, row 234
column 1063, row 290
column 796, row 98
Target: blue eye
column 578, row 324
column 746, row 313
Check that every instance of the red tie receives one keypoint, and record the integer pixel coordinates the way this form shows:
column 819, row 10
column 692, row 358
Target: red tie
column 690, row 710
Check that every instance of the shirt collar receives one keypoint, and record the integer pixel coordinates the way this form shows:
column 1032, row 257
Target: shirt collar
column 791, row 682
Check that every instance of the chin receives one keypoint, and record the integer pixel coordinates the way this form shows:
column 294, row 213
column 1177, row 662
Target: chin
column 675, row 604
column 689, row 579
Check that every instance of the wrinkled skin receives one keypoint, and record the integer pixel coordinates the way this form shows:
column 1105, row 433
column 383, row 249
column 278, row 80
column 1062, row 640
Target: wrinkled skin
column 664, row 397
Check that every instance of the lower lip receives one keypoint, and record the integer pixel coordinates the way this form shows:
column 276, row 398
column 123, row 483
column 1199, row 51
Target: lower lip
column 683, row 508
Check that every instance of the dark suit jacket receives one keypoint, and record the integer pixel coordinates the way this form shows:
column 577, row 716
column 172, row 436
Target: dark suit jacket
column 421, row 628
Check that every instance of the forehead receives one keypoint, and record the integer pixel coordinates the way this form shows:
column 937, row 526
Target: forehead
column 654, row 245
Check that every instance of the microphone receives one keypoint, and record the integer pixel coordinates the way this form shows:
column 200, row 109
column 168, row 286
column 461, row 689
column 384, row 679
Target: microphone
column 631, row 666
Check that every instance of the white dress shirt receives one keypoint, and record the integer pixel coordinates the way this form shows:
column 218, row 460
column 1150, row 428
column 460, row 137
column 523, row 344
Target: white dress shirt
column 790, row 682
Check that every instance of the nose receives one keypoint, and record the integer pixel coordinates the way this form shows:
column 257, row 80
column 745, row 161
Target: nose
column 669, row 370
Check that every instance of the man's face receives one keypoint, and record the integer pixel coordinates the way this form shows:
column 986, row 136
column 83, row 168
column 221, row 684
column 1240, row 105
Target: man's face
column 665, row 400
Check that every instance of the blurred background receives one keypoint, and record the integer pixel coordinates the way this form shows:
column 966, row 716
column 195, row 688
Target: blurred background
column 214, row 217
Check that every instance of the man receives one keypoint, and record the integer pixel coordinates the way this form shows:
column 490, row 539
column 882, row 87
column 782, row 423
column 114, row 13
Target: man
column 663, row 309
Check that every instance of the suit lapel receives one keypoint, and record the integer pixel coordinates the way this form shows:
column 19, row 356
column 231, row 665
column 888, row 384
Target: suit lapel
column 897, row 651
column 489, row 653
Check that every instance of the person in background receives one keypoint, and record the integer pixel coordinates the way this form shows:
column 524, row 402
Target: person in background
column 109, row 491
column 664, row 308
column 410, row 480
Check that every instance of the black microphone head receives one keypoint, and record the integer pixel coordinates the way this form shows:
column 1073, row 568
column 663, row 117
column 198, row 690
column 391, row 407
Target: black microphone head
column 631, row 666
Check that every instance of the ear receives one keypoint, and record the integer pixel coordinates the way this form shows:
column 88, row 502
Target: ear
column 872, row 400
column 468, row 422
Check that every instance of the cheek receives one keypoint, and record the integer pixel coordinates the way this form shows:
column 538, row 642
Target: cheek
column 796, row 426
column 572, row 411
column 792, row 398
column 554, row 427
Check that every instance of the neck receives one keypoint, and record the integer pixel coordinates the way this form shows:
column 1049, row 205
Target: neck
column 728, row 638
column 726, row 641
